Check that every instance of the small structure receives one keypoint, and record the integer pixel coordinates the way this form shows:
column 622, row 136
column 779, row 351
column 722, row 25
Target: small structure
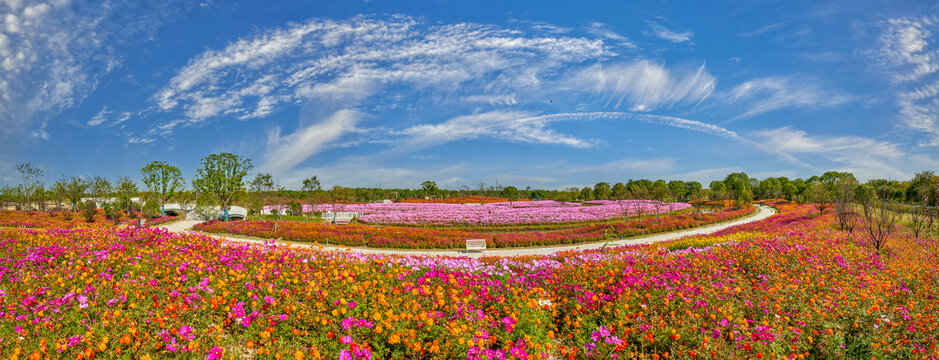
column 476, row 244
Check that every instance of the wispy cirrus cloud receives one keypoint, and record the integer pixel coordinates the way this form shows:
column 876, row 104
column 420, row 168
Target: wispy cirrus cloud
column 53, row 52
column 906, row 54
column 349, row 62
column 607, row 32
column 285, row 152
column 645, row 85
column 662, row 32
column 513, row 126
column 904, row 51
column 773, row 93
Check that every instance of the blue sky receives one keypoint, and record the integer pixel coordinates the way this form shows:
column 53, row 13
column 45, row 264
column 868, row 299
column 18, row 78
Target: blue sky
column 520, row 93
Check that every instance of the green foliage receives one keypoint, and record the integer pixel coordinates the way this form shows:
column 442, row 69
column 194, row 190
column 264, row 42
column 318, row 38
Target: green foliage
column 162, row 180
column 619, row 191
column 125, row 190
column 88, row 211
column 151, row 209
column 677, row 189
column 311, row 184
column 295, row 208
column 75, row 189
column 601, row 191
column 429, row 189
column 738, row 187
column 222, row 177
column 510, row 192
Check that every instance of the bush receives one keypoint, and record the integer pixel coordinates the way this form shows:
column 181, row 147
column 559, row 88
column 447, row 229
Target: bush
column 151, row 209
column 295, row 208
column 89, row 211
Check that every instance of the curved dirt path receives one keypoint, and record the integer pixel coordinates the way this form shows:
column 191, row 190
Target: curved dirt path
column 762, row 213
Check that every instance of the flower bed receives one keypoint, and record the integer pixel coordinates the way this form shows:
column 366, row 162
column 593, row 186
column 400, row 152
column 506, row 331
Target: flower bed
column 161, row 220
column 504, row 213
column 418, row 238
column 50, row 219
column 789, row 287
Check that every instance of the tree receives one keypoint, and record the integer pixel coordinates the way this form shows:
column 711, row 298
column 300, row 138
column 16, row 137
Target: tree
column 880, row 216
column 59, row 192
column 100, row 188
column 260, row 186
column 586, row 194
column 921, row 220
column 819, row 195
column 163, row 181
column 222, row 178
column 601, row 191
column 692, row 189
column 718, row 190
column 430, row 189
column 659, row 190
column 126, row 190
column 311, row 184
column 843, row 195
column 340, row 197
column 295, row 207
column 677, row 189
column 922, row 186
column 539, row 194
column 75, row 189
column 31, row 175
column 89, row 211
column 314, row 194
column 738, row 188
column 620, row 191
column 510, row 192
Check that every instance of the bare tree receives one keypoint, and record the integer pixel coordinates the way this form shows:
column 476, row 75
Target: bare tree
column 844, row 203
column 921, row 220
column 31, row 175
column 628, row 207
column 100, row 190
column 880, row 217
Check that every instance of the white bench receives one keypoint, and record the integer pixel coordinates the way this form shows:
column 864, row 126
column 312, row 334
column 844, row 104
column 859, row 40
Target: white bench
column 476, row 244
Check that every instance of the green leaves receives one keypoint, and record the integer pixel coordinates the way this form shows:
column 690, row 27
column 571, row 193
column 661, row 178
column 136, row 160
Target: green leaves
column 222, row 177
column 163, row 180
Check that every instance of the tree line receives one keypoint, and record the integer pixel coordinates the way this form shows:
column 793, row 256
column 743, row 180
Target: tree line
column 222, row 180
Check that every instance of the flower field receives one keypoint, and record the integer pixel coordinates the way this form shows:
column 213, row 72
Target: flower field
column 788, row 287
column 501, row 213
column 418, row 238
column 57, row 219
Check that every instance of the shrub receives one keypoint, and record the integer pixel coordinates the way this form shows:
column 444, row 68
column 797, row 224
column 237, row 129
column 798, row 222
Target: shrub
column 295, row 208
column 89, row 211
column 151, row 209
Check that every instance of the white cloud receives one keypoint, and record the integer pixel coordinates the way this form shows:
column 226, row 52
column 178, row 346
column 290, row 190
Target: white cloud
column 52, row 54
column 285, row 152
column 506, row 100
column 100, row 117
column 664, row 33
column 774, row 93
column 348, row 62
column 509, row 126
column 646, row 86
column 909, row 58
column 904, row 48
column 626, row 166
column 605, row 31
column 865, row 157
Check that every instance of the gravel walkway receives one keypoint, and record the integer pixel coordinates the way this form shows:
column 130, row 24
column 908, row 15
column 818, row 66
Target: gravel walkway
column 763, row 213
